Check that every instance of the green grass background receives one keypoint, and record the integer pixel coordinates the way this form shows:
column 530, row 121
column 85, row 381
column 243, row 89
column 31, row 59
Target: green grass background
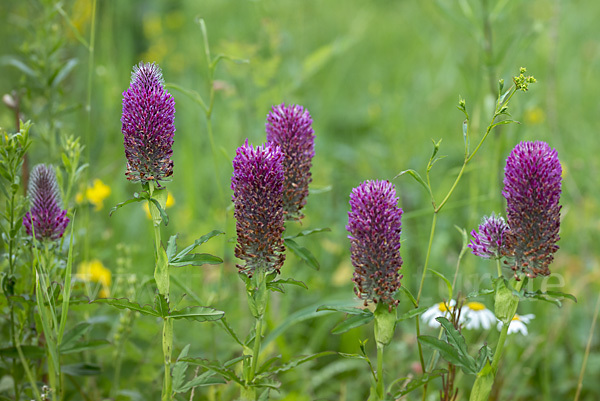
column 380, row 79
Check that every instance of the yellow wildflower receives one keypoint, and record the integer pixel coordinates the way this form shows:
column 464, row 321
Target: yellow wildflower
column 95, row 272
column 95, row 194
column 170, row 202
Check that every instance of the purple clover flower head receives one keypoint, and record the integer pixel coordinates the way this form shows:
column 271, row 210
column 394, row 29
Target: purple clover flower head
column 532, row 188
column 374, row 226
column 46, row 217
column 257, row 185
column 148, row 125
column 290, row 127
column 488, row 243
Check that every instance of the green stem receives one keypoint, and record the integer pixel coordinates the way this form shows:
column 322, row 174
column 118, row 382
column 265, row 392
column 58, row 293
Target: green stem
column 167, row 340
column 161, row 274
column 28, row 373
column 256, row 348
column 587, row 350
column 431, row 235
column 504, row 333
column 380, row 386
column 248, row 393
column 417, row 323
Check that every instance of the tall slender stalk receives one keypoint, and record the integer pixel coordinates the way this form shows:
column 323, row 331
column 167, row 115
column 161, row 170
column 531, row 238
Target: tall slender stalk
column 587, row 350
column 504, row 332
column 380, row 385
column 161, row 275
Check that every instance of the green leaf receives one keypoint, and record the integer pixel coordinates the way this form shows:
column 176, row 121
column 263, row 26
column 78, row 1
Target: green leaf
column 161, row 272
column 419, row 381
column 63, row 72
column 267, row 364
column 456, row 339
column 447, row 351
column 302, row 253
column 229, row 330
column 414, row 174
column 554, row 297
column 448, row 283
column 67, row 287
column 197, row 313
column 161, row 211
column 295, row 362
column 215, row 366
column 178, row 372
column 45, row 320
column 504, row 122
column 412, row 313
column 72, row 336
column 345, row 309
column 29, row 351
column 479, row 293
column 351, row 323
column 353, row 356
column 195, row 96
column 307, row 232
column 136, row 198
column 172, row 247
column 83, row 346
column 124, row 303
column 559, row 294
column 196, row 259
column 81, row 369
column 287, row 281
column 204, row 379
column 483, row 357
column 161, row 305
column 196, row 243
column 10, row 60
column 409, row 295
column 264, row 395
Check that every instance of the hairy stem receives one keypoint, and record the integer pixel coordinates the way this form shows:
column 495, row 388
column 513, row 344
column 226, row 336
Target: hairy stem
column 380, row 385
column 504, row 333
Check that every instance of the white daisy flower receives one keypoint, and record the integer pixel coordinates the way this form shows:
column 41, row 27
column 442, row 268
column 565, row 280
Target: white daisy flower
column 477, row 316
column 518, row 324
column 442, row 309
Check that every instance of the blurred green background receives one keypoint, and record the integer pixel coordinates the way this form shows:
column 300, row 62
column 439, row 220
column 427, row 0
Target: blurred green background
column 380, row 79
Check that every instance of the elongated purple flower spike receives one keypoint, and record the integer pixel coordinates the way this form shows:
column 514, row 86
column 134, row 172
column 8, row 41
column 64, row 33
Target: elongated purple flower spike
column 257, row 185
column 488, row 243
column 290, row 127
column 532, row 188
column 374, row 226
column 46, row 217
column 148, row 125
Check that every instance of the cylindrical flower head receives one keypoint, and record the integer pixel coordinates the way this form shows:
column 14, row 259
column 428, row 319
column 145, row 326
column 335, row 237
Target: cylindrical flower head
column 257, row 185
column 488, row 243
column 532, row 188
column 46, row 215
column 374, row 226
column 148, row 125
column 290, row 127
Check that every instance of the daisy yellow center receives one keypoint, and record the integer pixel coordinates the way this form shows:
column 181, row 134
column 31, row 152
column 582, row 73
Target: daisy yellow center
column 476, row 306
column 443, row 307
column 516, row 317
